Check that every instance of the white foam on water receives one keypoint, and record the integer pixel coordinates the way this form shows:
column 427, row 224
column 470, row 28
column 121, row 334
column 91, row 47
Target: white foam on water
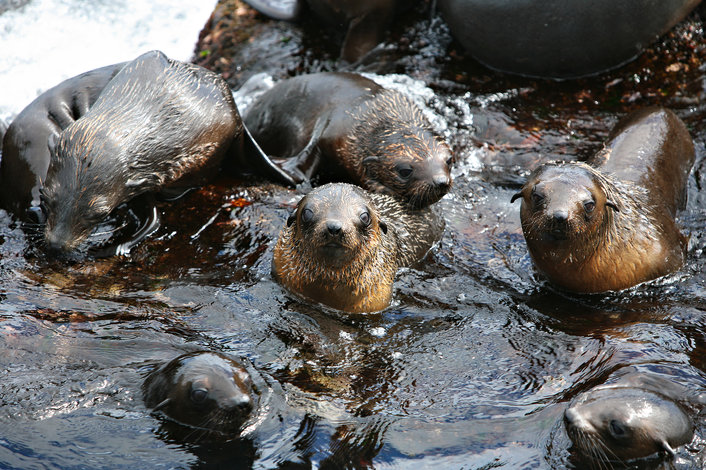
column 47, row 41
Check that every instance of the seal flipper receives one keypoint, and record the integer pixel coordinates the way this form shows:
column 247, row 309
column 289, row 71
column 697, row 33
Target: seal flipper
column 150, row 224
column 251, row 148
column 307, row 161
column 287, row 10
column 364, row 33
column 667, row 448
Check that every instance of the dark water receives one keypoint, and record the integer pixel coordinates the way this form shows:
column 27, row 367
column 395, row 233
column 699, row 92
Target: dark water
column 472, row 365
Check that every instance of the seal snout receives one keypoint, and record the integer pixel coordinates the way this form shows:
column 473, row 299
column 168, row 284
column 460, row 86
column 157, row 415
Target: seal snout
column 442, row 182
column 334, row 227
column 242, row 404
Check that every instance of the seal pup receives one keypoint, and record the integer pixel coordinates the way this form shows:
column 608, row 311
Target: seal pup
column 25, row 155
column 608, row 224
column 365, row 21
column 351, row 128
column 342, row 246
column 633, row 418
column 202, row 389
column 104, row 137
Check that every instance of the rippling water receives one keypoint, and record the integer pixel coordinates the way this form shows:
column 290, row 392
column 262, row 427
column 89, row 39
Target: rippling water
column 471, row 367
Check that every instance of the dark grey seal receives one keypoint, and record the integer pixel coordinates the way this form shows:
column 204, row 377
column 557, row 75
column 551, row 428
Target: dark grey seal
column 560, row 39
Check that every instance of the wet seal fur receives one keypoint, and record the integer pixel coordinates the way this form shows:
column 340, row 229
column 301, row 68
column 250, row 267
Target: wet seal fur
column 342, row 246
column 204, row 390
column 637, row 416
column 353, row 129
column 609, row 224
column 102, row 138
column 365, row 20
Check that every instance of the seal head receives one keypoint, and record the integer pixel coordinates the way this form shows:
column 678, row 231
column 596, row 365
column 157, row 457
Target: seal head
column 394, row 152
column 203, row 390
column 336, row 249
column 623, row 422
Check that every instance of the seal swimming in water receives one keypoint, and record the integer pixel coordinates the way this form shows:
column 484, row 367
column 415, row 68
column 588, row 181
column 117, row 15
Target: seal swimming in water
column 342, row 246
column 109, row 135
column 635, row 417
column 609, row 224
column 204, row 390
column 354, row 129
column 365, row 21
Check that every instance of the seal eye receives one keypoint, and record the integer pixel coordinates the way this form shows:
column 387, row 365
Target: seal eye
column 588, row 206
column 198, row 395
column 365, row 218
column 405, row 170
column 617, row 429
column 449, row 161
column 537, row 199
column 307, row 215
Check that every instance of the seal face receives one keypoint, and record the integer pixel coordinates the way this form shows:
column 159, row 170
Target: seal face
column 610, row 225
column 341, row 246
column 348, row 127
column 627, row 420
column 203, row 390
column 140, row 136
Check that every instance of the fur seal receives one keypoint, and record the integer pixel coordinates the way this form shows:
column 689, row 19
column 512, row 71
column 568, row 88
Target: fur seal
column 25, row 158
column 560, row 39
column 104, row 137
column 635, row 417
column 365, row 21
column 342, row 246
column 609, row 224
column 204, row 390
column 353, row 129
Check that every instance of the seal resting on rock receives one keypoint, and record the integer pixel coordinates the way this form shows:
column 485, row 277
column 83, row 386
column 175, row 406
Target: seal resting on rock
column 635, row 417
column 102, row 138
column 609, row 224
column 204, row 390
column 365, row 21
column 342, row 246
column 560, row 39
column 353, row 129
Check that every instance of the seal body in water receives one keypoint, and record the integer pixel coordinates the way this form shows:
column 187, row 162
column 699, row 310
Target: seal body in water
column 354, row 130
column 365, row 21
column 95, row 141
column 609, row 224
column 204, row 390
column 637, row 416
column 342, row 246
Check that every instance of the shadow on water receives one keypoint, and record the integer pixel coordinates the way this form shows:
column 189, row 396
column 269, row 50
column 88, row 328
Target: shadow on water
column 473, row 364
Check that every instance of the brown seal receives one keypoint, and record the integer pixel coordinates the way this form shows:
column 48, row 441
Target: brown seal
column 365, row 21
column 342, row 246
column 609, row 224
column 635, row 417
column 354, row 130
column 202, row 389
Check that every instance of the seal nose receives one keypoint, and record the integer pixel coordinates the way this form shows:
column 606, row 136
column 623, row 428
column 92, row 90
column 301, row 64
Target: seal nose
column 560, row 217
column 441, row 181
column 334, row 227
column 241, row 403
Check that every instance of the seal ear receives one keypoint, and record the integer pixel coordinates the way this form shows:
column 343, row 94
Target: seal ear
column 292, row 217
column 515, row 197
column 612, row 205
column 383, row 226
